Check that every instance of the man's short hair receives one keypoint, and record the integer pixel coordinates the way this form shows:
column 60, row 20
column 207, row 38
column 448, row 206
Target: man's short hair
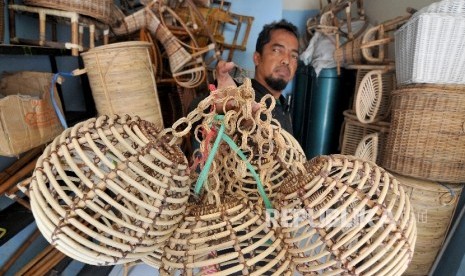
column 265, row 35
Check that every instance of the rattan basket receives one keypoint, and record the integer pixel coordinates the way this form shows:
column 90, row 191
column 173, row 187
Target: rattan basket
column 354, row 132
column 434, row 205
column 427, row 132
column 373, row 96
column 429, row 47
column 122, row 80
column 98, row 9
column 107, row 191
column 347, row 216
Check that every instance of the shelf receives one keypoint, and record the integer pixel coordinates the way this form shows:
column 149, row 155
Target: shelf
column 28, row 50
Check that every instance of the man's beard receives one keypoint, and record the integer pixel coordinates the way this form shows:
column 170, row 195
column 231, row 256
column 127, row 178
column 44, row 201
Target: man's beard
column 276, row 84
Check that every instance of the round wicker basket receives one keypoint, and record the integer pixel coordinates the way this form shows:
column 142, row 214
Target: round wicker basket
column 434, row 205
column 106, row 191
column 347, row 216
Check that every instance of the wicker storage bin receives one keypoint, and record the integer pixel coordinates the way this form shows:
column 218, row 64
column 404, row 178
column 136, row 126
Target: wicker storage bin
column 429, row 47
column 434, row 205
column 354, row 131
column 427, row 137
column 122, row 80
column 98, row 9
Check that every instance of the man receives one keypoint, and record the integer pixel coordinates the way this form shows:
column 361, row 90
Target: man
column 275, row 58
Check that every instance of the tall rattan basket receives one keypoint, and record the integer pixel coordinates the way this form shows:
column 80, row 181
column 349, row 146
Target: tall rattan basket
column 122, row 80
column 434, row 205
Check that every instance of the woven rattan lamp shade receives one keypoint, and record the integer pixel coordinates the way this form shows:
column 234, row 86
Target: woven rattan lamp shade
column 106, row 191
column 230, row 238
column 358, row 219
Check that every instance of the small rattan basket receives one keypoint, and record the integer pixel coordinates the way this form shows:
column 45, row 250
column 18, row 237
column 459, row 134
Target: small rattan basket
column 98, row 9
column 354, row 132
column 427, row 135
column 106, row 191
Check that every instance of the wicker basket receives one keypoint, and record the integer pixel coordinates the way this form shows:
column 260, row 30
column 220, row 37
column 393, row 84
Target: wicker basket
column 427, row 133
column 347, row 217
column 434, row 205
column 107, row 191
column 354, row 132
column 372, row 98
column 98, row 9
column 430, row 46
column 122, row 80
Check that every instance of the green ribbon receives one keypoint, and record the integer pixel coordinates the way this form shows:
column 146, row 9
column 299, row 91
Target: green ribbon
column 224, row 137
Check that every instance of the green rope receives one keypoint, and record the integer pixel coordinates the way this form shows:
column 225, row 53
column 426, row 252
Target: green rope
column 203, row 174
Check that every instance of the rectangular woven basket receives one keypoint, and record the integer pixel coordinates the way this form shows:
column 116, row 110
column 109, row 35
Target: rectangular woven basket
column 98, row 9
column 427, row 137
column 354, row 131
column 429, row 47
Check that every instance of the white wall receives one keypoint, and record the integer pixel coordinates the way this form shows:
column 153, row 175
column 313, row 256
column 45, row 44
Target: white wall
column 378, row 11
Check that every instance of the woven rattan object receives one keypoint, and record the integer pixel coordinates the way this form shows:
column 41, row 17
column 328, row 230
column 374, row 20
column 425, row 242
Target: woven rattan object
column 347, row 216
column 372, row 98
column 229, row 238
column 427, row 132
column 122, row 80
column 434, row 205
column 98, row 9
column 354, row 132
column 107, row 191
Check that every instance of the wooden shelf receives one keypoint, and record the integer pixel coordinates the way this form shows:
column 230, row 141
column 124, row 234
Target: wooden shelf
column 28, row 50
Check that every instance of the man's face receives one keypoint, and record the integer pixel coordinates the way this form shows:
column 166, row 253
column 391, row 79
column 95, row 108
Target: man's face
column 276, row 66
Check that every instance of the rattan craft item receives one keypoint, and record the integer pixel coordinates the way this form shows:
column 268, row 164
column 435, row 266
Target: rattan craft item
column 372, row 98
column 122, row 80
column 107, row 191
column 347, row 216
column 228, row 238
column 434, row 205
column 353, row 132
column 367, row 149
column 427, row 135
column 98, row 9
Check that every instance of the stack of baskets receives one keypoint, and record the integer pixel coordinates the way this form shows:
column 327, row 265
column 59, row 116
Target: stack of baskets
column 370, row 110
column 425, row 147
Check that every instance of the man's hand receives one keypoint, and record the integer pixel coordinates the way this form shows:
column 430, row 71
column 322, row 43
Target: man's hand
column 223, row 77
